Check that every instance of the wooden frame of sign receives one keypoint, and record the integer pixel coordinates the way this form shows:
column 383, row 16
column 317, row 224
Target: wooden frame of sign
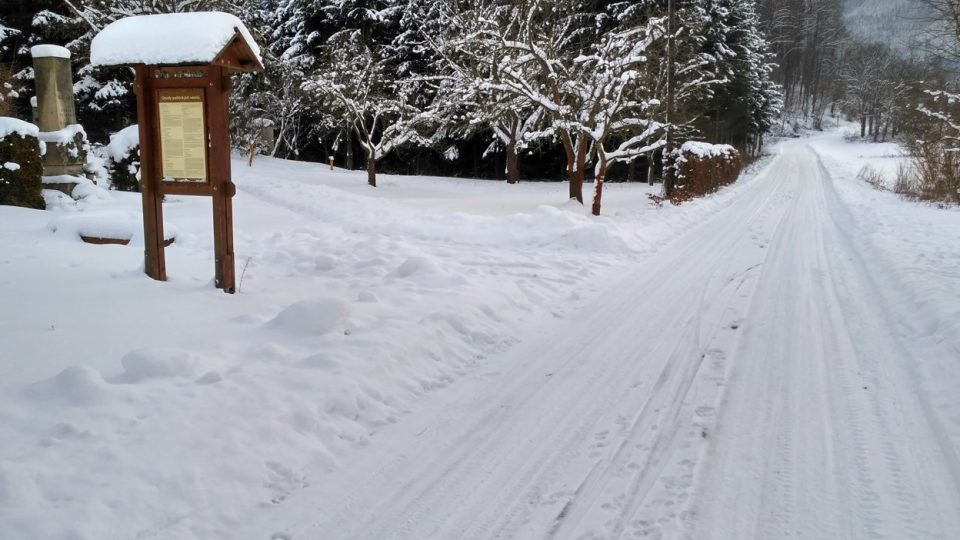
column 184, row 117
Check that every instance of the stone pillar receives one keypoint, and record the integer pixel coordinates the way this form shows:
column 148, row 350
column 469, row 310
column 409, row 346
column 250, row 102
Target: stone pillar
column 54, row 80
column 57, row 117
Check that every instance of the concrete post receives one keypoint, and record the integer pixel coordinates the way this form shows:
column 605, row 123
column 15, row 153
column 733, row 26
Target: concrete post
column 57, row 117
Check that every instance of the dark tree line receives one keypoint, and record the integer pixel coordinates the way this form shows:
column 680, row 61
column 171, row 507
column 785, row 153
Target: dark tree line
column 372, row 78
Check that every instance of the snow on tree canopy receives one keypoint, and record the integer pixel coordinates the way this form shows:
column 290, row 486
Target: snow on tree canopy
column 168, row 39
column 122, row 142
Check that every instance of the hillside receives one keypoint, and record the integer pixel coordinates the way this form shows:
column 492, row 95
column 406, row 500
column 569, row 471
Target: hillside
column 902, row 24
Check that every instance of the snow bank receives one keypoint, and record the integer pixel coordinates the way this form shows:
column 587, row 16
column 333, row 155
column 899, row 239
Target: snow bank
column 313, row 317
column 19, row 127
column 146, row 364
column 76, row 386
column 175, row 38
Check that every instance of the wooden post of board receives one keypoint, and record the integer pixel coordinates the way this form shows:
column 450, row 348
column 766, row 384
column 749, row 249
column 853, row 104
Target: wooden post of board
column 218, row 114
column 154, row 262
column 195, row 127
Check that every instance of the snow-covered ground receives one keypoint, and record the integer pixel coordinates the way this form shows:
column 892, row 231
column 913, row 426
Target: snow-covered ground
column 131, row 407
column 442, row 358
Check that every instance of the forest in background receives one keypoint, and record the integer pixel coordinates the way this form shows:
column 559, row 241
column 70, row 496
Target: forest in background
column 446, row 87
column 428, row 100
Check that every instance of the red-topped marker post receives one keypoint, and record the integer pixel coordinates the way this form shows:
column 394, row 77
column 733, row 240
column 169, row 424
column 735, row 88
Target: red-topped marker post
column 182, row 62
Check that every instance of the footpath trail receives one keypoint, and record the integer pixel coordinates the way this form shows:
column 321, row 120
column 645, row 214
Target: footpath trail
column 745, row 382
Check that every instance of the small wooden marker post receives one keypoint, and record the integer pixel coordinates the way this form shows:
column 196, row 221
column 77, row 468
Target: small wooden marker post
column 184, row 116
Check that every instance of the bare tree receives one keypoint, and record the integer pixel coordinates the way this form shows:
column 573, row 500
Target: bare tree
column 470, row 103
column 807, row 38
column 358, row 85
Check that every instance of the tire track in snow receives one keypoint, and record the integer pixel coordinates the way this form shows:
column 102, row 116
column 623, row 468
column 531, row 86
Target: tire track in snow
column 851, row 459
column 674, row 413
column 658, row 498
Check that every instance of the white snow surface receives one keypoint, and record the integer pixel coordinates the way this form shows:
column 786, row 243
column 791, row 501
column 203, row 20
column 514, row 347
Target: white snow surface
column 441, row 358
column 12, row 125
column 167, row 39
column 47, row 51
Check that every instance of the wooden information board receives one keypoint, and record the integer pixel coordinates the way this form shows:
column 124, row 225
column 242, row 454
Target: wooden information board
column 184, row 116
column 183, row 110
column 183, row 135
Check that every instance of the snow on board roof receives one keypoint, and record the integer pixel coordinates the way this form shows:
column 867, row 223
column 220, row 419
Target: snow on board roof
column 169, row 39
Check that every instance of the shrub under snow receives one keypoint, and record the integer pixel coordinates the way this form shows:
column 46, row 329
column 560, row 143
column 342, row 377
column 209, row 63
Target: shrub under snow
column 703, row 168
column 20, row 166
column 123, row 154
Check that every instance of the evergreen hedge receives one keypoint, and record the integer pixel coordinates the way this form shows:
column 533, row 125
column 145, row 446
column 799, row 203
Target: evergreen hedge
column 703, row 168
column 21, row 171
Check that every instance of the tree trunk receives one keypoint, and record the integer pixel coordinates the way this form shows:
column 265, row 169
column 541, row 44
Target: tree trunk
column 576, row 184
column 575, row 192
column 477, row 156
column 669, row 173
column 570, row 152
column 348, row 159
column 651, row 170
column 513, row 165
column 863, row 125
column 372, row 171
column 598, row 186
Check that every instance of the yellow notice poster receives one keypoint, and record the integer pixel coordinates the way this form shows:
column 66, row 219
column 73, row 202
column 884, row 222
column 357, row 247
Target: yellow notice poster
column 183, row 137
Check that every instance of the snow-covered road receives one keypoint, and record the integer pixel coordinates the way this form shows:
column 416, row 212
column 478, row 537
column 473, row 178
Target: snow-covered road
column 755, row 379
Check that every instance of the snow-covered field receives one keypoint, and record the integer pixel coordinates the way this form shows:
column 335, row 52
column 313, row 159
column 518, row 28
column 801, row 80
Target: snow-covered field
column 442, row 358
column 131, row 407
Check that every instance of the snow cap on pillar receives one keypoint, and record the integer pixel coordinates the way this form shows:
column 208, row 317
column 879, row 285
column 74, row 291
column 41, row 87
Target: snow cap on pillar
column 49, row 51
